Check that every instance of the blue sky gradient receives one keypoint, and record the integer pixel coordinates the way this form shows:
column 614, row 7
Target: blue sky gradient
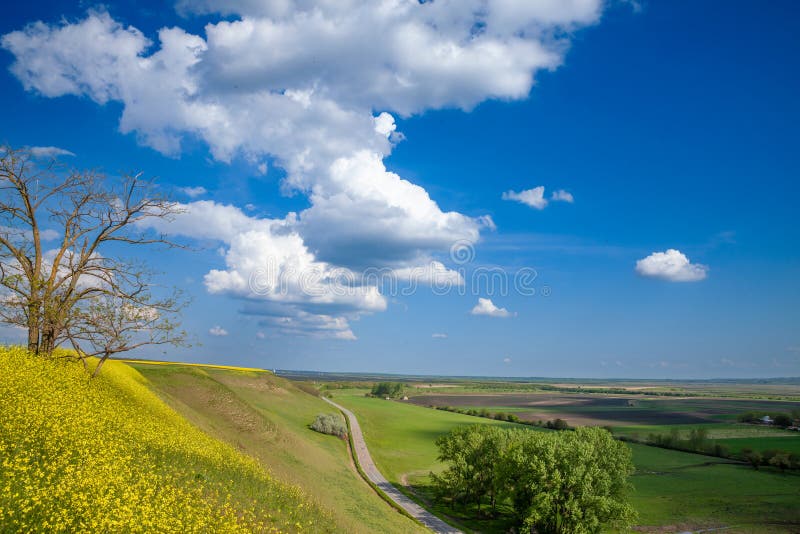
column 674, row 125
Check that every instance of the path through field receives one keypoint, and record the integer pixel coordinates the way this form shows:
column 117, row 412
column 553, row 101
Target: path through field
column 369, row 467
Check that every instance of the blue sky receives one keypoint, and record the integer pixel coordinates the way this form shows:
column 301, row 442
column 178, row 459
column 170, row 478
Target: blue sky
column 673, row 125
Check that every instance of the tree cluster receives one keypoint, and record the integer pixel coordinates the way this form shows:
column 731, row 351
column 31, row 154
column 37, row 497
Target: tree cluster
column 779, row 419
column 481, row 412
column 551, row 482
column 62, row 276
column 388, row 389
column 778, row 459
column 697, row 441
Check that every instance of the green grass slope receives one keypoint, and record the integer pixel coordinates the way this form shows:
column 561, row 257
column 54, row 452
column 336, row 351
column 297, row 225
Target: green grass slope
column 267, row 417
column 674, row 490
column 107, row 455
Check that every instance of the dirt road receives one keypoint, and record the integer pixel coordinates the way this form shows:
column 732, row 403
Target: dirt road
column 368, row 466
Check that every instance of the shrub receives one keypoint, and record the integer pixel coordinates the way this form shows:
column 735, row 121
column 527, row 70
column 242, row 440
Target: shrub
column 328, row 423
column 558, row 424
column 754, row 459
column 781, row 461
column 307, row 388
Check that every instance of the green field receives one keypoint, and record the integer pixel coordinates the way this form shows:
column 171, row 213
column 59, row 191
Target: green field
column 735, row 436
column 617, row 410
column 267, row 417
column 671, row 489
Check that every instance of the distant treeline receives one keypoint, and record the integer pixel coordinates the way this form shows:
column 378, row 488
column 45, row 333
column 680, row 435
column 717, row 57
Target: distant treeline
column 345, row 385
column 697, row 441
column 555, row 424
column 779, row 419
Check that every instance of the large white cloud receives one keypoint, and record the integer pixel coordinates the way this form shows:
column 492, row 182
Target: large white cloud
column 671, row 265
column 268, row 265
column 309, row 85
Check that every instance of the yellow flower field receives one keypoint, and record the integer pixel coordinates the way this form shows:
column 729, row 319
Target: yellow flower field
column 107, row 455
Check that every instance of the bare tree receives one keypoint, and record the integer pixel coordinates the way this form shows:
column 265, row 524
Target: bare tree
column 58, row 293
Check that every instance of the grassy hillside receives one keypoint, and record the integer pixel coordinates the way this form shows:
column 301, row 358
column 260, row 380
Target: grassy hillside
column 107, row 455
column 672, row 489
column 268, row 417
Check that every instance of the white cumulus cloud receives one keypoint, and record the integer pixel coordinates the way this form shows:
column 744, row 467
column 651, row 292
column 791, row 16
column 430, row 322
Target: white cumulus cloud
column 193, row 192
column 487, row 307
column 312, row 87
column 671, row 265
column 535, row 197
column 530, row 197
column 218, row 331
column 562, row 196
column 268, row 264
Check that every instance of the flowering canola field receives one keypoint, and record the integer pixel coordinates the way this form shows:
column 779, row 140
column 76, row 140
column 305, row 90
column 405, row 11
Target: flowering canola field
column 107, row 455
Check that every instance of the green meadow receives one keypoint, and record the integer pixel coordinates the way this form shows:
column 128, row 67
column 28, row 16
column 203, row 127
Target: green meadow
column 672, row 490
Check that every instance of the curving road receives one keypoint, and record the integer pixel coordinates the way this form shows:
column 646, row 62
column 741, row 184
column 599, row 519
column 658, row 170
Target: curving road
column 368, row 466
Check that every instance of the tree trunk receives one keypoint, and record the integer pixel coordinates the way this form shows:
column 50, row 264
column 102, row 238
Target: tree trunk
column 48, row 340
column 100, row 364
column 33, row 328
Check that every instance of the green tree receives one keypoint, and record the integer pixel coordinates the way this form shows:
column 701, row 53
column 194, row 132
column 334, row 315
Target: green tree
column 781, row 460
column 575, row 482
column 698, row 438
column 475, row 456
column 754, row 458
column 559, row 482
column 782, row 420
column 388, row 389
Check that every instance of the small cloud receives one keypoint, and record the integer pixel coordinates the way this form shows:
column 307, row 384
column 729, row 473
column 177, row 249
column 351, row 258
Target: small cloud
column 530, row 197
column 249, row 207
column 487, row 307
column 487, row 222
column 672, row 266
column 562, row 196
column 439, row 336
column 260, row 335
column 44, row 235
column 262, row 168
column 48, row 235
column 384, row 124
column 49, row 152
column 506, row 360
column 193, row 192
column 218, row 331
